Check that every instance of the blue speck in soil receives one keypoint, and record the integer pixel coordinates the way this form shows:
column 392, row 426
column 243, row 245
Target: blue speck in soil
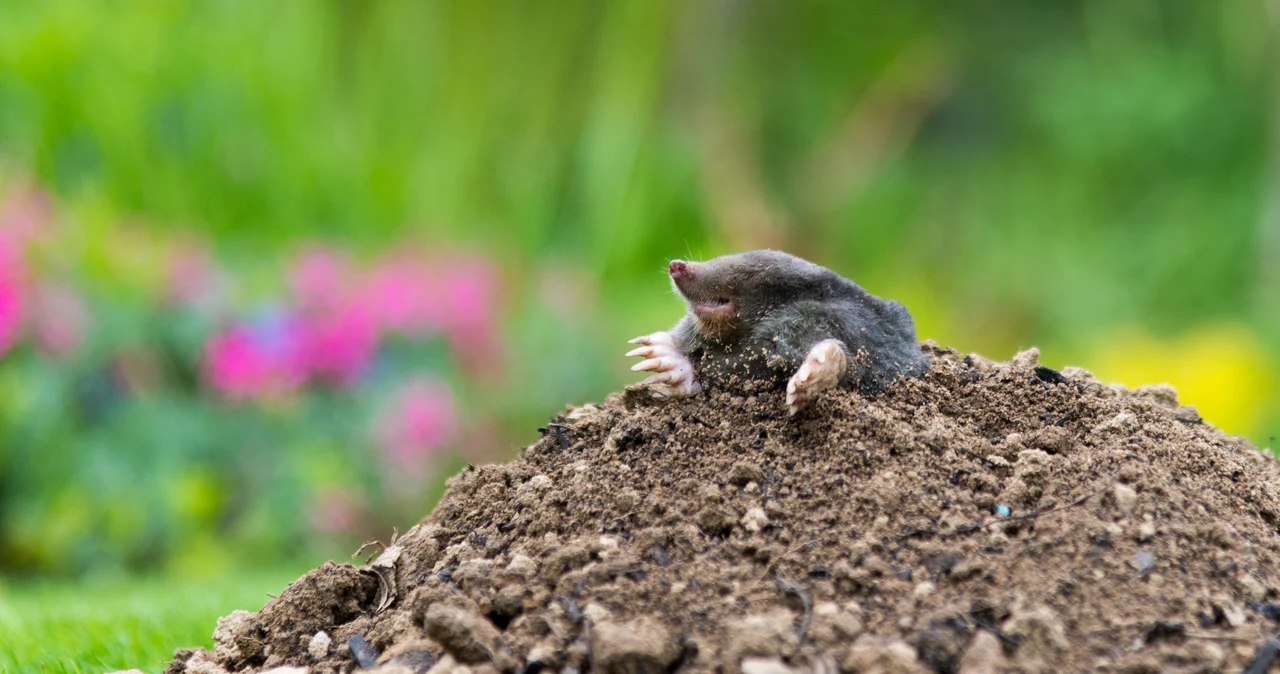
column 1003, row 510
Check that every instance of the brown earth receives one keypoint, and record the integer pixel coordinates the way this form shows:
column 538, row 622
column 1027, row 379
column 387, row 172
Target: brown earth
column 865, row 535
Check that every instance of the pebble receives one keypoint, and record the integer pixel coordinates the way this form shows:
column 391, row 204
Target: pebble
column 754, row 520
column 462, row 632
column 1252, row 588
column 924, row 589
column 1144, row 562
column 983, row 656
column 770, row 634
column 884, row 656
column 318, row 647
column 1126, row 497
column 642, row 646
column 522, row 565
column 768, row 666
column 742, row 472
column 596, row 613
column 362, row 651
column 1042, row 632
column 834, row 624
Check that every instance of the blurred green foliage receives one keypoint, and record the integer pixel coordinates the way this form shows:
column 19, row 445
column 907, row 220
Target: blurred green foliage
column 1098, row 178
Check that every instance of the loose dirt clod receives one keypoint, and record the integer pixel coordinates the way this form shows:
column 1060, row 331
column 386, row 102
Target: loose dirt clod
column 989, row 517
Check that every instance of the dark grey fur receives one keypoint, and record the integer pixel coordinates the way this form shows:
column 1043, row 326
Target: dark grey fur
column 780, row 306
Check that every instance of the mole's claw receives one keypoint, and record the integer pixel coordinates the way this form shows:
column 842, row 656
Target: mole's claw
column 673, row 374
column 661, row 378
column 820, row 371
column 650, row 364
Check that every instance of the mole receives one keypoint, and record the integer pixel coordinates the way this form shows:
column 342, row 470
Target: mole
column 764, row 319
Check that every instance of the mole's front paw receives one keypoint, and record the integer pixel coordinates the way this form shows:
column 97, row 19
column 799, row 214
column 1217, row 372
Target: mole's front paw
column 672, row 371
column 821, row 370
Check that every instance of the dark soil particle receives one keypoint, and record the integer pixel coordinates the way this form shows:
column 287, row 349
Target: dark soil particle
column 864, row 535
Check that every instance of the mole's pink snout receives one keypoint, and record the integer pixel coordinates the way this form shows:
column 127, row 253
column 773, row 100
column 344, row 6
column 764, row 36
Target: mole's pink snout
column 679, row 269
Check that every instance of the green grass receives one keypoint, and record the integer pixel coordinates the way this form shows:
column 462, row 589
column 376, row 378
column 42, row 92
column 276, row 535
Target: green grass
column 107, row 625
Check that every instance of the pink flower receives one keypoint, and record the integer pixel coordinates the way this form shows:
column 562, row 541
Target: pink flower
column 340, row 345
column 319, row 278
column 193, row 279
column 420, row 422
column 11, row 313
column 25, row 213
column 471, row 290
column 12, row 294
column 400, row 292
column 244, row 365
column 58, row 320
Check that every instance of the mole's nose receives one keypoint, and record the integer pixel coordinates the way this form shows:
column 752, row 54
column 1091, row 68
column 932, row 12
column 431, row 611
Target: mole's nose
column 678, row 269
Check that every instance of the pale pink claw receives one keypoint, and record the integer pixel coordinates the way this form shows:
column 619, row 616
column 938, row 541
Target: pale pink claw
column 821, row 370
column 673, row 371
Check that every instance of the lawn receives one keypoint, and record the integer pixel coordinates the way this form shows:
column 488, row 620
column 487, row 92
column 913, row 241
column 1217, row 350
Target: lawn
column 107, row 625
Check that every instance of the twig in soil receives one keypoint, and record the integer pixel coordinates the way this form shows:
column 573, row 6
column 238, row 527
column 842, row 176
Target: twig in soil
column 571, row 610
column 768, row 570
column 805, row 601
column 1214, row 637
column 970, row 528
column 1263, row 657
column 369, row 544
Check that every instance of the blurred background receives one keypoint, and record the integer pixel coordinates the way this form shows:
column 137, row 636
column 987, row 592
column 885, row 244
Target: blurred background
column 271, row 271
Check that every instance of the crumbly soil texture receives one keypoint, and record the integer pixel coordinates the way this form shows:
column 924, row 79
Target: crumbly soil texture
column 989, row 517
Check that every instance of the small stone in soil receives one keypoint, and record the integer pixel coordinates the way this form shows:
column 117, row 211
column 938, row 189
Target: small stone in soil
column 363, row 653
column 1269, row 610
column 1144, row 562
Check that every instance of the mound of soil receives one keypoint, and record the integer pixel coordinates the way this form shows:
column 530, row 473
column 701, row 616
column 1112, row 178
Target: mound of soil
column 990, row 517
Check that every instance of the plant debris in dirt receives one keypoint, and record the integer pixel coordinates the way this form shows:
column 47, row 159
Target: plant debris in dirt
column 989, row 517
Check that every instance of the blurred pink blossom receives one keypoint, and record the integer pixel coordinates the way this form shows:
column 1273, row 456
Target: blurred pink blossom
column 339, row 346
column 471, row 289
column 456, row 297
column 244, row 365
column 420, row 422
column 319, row 278
column 11, row 313
column 58, row 320
column 400, row 291
column 25, row 213
column 194, row 280
column 12, row 294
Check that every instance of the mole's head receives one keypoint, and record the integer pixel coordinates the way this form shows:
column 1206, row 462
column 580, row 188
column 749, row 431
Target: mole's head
column 729, row 294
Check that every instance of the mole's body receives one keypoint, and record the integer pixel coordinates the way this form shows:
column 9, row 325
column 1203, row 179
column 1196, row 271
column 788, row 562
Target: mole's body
column 764, row 319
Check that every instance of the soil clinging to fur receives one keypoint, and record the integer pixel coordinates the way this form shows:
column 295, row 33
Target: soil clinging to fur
column 990, row 517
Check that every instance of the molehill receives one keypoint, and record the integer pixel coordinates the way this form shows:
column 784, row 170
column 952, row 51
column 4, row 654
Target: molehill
column 990, row 517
